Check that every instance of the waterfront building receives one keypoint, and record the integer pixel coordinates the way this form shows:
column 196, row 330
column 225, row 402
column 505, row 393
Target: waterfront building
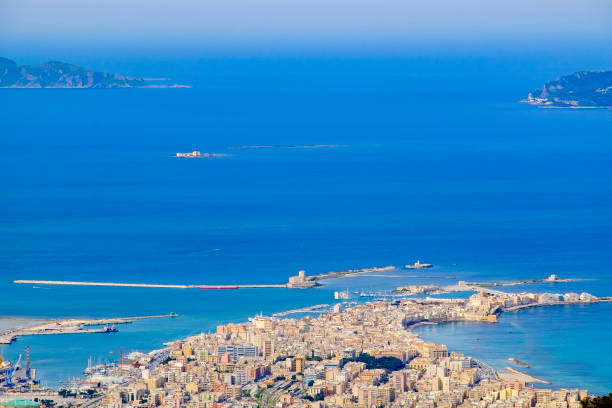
column 300, row 281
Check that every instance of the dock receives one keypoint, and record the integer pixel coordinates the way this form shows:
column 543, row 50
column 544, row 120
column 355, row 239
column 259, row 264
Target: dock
column 72, row 326
column 8, row 339
column 308, row 309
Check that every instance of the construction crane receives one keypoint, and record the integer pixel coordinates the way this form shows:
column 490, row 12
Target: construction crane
column 122, row 352
column 120, row 355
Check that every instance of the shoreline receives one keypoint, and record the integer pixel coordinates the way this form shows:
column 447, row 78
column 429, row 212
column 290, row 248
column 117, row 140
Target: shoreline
column 312, row 309
column 308, row 310
column 486, row 373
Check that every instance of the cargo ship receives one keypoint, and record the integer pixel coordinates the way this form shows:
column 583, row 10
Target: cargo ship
column 219, row 287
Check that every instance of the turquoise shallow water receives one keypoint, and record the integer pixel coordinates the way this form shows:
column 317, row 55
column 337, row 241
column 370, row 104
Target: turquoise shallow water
column 565, row 345
column 502, row 190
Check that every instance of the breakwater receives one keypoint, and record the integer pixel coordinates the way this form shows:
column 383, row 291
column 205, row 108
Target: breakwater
column 556, row 303
column 308, row 309
column 519, row 362
column 72, row 326
column 550, row 279
column 349, row 272
column 114, row 284
column 140, row 285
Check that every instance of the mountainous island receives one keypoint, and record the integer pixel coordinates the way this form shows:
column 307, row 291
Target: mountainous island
column 586, row 89
column 56, row 74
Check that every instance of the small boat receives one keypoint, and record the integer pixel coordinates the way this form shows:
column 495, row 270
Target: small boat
column 418, row 265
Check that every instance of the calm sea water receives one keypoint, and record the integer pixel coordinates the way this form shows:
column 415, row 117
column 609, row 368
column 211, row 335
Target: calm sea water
column 438, row 165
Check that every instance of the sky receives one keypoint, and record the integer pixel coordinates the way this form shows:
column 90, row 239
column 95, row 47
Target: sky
column 31, row 29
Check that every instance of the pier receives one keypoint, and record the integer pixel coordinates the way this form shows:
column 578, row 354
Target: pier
column 350, row 272
column 116, row 284
column 301, row 281
column 72, row 326
column 142, row 285
column 308, row 309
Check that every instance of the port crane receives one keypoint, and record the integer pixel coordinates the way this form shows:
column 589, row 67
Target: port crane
column 8, row 378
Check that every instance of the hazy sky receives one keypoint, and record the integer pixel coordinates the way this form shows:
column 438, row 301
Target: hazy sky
column 29, row 27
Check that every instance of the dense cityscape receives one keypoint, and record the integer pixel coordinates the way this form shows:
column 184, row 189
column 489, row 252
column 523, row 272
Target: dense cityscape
column 357, row 355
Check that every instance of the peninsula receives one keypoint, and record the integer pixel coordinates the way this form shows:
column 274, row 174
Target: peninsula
column 356, row 356
column 585, row 89
column 55, row 74
column 360, row 355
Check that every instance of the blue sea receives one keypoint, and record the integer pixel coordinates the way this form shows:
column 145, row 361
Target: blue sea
column 436, row 161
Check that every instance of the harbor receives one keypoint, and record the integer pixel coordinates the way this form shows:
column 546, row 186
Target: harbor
column 73, row 326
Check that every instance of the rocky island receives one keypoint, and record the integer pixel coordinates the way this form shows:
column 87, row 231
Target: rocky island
column 586, row 89
column 54, row 74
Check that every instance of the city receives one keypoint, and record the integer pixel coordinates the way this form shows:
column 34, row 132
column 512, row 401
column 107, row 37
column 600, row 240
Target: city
column 357, row 355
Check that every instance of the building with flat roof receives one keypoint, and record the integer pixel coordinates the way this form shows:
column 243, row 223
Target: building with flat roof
column 236, row 352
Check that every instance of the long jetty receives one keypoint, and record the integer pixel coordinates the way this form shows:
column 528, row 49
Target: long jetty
column 70, row 326
column 77, row 283
column 142, row 285
column 349, row 272
column 557, row 303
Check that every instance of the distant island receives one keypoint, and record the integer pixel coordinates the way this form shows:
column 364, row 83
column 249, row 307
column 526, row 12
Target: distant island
column 586, row 89
column 54, row 74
